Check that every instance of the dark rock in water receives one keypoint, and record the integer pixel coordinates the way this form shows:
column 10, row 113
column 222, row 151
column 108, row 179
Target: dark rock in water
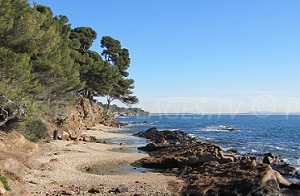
column 286, row 170
column 176, row 149
column 276, row 162
column 167, row 138
column 151, row 147
column 236, row 151
column 235, row 178
column 189, row 155
column 271, row 158
column 208, row 171
column 228, row 128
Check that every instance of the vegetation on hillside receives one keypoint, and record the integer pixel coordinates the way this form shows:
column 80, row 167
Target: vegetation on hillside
column 131, row 111
column 46, row 64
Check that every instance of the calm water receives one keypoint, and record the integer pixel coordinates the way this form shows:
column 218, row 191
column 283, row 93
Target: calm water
column 279, row 134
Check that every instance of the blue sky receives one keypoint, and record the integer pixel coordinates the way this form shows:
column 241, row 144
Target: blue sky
column 201, row 56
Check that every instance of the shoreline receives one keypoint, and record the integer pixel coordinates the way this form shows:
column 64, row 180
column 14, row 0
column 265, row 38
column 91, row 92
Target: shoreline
column 59, row 168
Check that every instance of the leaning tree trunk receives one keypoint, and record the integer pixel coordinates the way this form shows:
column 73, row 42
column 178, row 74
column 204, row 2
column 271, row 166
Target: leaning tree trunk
column 17, row 109
column 6, row 120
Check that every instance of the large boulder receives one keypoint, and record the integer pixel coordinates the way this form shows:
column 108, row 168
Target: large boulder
column 177, row 149
column 277, row 163
column 235, row 178
column 189, row 155
column 167, row 138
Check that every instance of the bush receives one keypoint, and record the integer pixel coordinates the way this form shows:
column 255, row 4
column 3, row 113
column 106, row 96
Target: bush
column 4, row 182
column 36, row 130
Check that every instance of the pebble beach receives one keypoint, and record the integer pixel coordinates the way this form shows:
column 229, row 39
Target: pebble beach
column 63, row 167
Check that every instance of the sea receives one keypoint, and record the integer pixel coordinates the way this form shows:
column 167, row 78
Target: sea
column 254, row 134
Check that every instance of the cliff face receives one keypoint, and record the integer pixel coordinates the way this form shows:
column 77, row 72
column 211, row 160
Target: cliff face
column 86, row 114
column 80, row 116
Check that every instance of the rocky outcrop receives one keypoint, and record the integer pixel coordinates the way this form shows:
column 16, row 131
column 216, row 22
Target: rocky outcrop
column 86, row 114
column 176, row 149
column 165, row 139
column 187, row 155
column 235, row 178
column 71, row 120
column 276, row 162
column 207, row 170
column 16, row 159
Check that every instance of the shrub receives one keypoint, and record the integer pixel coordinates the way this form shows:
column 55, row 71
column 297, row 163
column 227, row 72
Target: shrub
column 4, row 182
column 36, row 130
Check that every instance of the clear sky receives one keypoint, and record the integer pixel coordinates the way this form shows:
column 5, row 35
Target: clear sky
column 202, row 56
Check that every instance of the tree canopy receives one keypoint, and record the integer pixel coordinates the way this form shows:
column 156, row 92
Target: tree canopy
column 45, row 62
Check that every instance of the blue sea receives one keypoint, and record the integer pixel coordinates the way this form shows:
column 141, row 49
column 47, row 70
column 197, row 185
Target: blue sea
column 279, row 134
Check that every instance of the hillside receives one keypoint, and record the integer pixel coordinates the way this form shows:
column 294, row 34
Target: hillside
column 123, row 111
column 16, row 152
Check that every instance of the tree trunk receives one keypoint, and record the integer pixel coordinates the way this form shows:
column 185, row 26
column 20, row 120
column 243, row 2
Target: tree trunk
column 108, row 103
column 5, row 121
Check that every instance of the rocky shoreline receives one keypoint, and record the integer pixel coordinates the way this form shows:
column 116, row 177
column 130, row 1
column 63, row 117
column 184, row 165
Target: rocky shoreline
column 208, row 170
column 184, row 167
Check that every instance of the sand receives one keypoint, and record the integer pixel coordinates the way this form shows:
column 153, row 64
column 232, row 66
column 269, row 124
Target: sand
column 66, row 167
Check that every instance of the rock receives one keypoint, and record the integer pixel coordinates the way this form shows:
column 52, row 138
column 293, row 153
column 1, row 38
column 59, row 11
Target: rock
column 151, row 147
column 232, row 150
column 65, row 136
column 73, row 136
column 167, row 138
column 176, row 149
column 208, row 171
column 93, row 190
column 235, row 178
column 181, row 156
column 120, row 189
column 2, row 189
column 286, row 170
column 227, row 128
column 276, row 162
column 88, row 138
column 271, row 158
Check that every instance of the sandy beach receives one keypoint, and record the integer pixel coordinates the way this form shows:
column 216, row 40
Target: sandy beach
column 64, row 167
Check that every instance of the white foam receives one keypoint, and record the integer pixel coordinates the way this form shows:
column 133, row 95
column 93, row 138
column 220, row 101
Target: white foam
column 218, row 128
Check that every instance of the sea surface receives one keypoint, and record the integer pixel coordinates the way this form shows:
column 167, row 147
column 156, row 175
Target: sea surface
column 279, row 134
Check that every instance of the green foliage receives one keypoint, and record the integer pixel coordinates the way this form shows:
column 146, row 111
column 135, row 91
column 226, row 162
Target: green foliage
column 5, row 183
column 62, row 120
column 120, row 87
column 85, row 36
column 117, row 56
column 36, row 130
column 45, row 64
column 137, row 163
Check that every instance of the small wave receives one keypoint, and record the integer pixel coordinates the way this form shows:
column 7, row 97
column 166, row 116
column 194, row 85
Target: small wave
column 209, row 139
column 139, row 123
column 192, row 135
column 173, row 129
column 278, row 147
column 219, row 128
